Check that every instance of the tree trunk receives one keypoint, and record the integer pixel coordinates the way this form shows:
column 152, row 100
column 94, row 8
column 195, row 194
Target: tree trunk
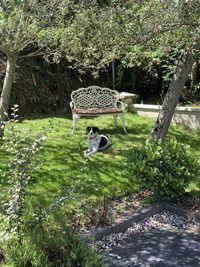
column 173, row 94
column 195, row 73
column 6, row 91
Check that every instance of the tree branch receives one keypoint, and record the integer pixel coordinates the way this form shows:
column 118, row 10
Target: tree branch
column 37, row 53
column 159, row 32
column 3, row 50
column 167, row 26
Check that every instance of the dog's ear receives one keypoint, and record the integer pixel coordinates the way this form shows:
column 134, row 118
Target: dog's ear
column 96, row 129
column 88, row 128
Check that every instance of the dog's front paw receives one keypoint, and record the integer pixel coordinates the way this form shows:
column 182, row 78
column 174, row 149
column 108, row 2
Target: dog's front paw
column 86, row 154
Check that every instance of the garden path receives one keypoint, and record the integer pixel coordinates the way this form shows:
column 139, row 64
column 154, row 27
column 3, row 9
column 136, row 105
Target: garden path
column 159, row 235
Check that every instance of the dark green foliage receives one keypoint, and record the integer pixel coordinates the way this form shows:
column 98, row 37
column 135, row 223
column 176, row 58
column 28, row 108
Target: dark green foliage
column 164, row 167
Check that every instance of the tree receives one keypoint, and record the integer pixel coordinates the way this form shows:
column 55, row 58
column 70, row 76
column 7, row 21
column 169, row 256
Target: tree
column 178, row 80
column 188, row 11
column 23, row 24
column 178, row 24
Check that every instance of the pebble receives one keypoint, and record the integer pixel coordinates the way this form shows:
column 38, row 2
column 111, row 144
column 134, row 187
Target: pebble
column 156, row 221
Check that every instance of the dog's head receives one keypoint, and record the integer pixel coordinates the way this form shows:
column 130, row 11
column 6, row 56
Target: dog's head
column 92, row 131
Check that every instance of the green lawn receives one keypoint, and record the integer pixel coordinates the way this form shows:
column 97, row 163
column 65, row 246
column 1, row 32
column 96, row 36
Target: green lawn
column 104, row 173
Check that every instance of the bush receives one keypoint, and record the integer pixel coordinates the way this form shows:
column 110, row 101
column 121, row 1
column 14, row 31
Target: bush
column 17, row 176
column 165, row 167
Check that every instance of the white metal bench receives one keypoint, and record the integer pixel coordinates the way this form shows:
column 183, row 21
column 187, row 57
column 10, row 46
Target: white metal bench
column 96, row 101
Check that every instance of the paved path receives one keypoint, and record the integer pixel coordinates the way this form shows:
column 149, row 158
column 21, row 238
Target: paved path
column 163, row 247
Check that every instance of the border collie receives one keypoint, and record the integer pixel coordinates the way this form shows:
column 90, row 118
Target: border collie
column 96, row 142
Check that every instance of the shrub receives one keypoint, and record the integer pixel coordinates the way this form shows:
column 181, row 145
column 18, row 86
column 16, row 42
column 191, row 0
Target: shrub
column 22, row 162
column 164, row 166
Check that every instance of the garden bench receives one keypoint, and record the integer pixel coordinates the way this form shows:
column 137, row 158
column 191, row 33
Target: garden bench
column 96, row 101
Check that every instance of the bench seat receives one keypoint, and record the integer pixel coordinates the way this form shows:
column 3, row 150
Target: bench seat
column 97, row 111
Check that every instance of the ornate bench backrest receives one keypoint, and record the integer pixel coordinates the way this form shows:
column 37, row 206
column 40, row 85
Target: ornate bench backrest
column 94, row 97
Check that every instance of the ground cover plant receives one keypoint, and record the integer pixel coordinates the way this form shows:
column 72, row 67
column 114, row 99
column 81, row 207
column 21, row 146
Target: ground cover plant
column 99, row 179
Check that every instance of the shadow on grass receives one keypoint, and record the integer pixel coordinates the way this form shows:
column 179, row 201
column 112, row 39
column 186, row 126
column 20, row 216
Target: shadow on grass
column 103, row 173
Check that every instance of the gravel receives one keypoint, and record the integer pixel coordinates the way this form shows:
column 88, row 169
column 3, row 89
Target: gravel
column 157, row 221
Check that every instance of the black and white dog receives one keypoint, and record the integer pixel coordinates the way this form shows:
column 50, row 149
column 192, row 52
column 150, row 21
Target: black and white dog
column 96, row 142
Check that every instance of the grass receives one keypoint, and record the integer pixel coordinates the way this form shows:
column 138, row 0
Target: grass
column 104, row 173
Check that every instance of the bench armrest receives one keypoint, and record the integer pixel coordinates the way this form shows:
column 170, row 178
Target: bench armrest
column 71, row 105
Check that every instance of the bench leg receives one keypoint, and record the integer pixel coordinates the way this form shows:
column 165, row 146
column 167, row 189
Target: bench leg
column 74, row 123
column 123, row 121
column 115, row 120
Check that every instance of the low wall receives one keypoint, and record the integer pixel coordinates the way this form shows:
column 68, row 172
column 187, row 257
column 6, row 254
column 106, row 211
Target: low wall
column 189, row 116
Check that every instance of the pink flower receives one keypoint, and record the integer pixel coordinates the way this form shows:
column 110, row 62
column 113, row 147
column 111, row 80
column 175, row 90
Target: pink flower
column 147, row 222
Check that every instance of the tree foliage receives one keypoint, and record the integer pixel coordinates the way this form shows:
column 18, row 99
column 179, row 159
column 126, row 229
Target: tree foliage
column 135, row 32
